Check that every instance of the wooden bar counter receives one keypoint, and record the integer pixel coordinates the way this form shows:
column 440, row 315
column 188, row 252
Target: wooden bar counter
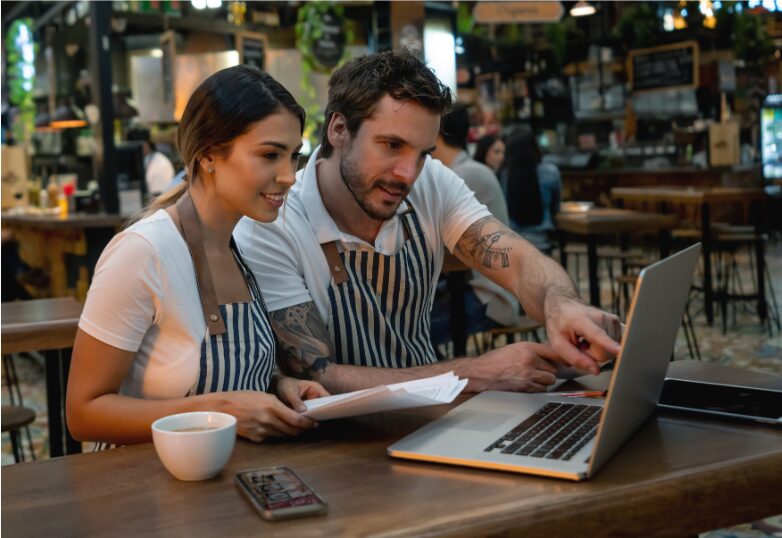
column 65, row 249
column 677, row 476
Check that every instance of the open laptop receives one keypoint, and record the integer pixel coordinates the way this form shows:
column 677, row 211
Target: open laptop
column 566, row 437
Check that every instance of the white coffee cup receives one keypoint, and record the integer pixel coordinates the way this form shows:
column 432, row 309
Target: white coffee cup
column 196, row 445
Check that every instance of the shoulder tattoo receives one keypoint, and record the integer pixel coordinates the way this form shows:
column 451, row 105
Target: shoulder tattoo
column 481, row 242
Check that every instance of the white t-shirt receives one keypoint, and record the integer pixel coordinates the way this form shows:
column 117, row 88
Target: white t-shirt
column 286, row 256
column 159, row 172
column 144, row 299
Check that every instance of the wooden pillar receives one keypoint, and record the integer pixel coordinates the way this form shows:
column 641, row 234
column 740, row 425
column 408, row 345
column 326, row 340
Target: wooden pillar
column 104, row 160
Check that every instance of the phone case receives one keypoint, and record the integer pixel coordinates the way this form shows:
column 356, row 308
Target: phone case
column 279, row 493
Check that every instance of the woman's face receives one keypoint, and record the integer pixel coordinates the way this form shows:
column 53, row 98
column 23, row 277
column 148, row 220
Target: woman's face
column 495, row 155
column 252, row 178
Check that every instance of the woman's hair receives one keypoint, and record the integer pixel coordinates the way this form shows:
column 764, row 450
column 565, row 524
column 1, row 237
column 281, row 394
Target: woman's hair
column 482, row 147
column 522, row 157
column 223, row 107
column 357, row 87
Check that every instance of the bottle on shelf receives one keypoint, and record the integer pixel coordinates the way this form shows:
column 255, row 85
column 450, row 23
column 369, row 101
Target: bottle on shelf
column 53, row 192
column 65, row 201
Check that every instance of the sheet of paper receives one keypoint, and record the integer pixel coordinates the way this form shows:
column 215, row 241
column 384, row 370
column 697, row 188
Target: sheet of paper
column 435, row 390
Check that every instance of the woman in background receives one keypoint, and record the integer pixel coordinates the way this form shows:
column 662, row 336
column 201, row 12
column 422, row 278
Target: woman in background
column 533, row 190
column 174, row 320
column 490, row 150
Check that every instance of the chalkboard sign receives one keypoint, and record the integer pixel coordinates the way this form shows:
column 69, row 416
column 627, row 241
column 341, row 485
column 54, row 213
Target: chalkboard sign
column 252, row 49
column 330, row 46
column 664, row 68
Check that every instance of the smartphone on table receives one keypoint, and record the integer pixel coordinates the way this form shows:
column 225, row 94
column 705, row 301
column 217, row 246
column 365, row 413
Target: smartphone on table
column 730, row 401
column 279, row 493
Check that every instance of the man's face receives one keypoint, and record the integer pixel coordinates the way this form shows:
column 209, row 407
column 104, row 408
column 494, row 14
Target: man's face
column 382, row 161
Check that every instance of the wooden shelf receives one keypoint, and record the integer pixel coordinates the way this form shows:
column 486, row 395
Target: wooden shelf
column 581, row 68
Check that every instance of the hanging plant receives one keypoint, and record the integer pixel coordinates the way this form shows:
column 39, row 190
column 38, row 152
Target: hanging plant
column 321, row 37
column 558, row 35
column 21, row 49
column 638, row 26
column 751, row 42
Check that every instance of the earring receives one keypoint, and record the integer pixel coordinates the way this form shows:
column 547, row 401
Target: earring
column 210, row 170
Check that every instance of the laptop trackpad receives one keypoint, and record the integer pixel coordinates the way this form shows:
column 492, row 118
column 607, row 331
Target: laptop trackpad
column 478, row 421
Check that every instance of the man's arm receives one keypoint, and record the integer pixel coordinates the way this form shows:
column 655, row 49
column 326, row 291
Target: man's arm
column 306, row 352
column 544, row 290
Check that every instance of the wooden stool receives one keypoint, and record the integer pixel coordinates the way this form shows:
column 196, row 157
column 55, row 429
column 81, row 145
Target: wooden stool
column 525, row 326
column 627, row 281
column 730, row 284
column 609, row 255
column 14, row 418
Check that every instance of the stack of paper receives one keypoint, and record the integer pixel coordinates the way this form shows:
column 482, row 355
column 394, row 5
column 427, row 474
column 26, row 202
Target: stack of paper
column 441, row 389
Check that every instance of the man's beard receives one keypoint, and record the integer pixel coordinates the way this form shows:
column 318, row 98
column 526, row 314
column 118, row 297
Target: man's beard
column 351, row 176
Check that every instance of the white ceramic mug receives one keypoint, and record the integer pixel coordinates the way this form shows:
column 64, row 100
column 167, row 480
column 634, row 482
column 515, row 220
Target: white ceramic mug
column 196, row 445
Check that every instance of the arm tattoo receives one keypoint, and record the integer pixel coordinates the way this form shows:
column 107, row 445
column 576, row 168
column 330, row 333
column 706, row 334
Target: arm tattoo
column 479, row 242
column 305, row 343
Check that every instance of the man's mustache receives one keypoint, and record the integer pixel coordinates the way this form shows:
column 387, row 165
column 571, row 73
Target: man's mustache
column 394, row 186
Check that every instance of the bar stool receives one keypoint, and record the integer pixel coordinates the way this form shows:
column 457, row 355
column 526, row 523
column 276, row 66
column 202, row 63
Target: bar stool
column 527, row 327
column 15, row 398
column 731, row 243
column 628, row 281
column 609, row 255
column 14, row 418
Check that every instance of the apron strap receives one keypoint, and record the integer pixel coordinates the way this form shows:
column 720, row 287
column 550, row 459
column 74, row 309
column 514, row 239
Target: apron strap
column 406, row 221
column 336, row 266
column 330, row 250
column 191, row 231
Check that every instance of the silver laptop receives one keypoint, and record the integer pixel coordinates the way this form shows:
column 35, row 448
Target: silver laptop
column 566, row 437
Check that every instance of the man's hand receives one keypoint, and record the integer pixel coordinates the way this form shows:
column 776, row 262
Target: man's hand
column 583, row 336
column 294, row 391
column 519, row 367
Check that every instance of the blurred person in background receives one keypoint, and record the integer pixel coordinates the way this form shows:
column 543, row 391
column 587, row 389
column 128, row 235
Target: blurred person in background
column 487, row 305
column 534, row 190
column 158, row 169
column 490, row 150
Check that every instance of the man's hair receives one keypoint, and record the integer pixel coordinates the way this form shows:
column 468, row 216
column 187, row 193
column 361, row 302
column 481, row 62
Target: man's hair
column 357, row 87
column 455, row 126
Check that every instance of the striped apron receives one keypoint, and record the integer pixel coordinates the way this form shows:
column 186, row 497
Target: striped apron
column 381, row 305
column 241, row 358
column 239, row 350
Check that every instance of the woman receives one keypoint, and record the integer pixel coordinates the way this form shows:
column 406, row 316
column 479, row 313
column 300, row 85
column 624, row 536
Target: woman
column 533, row 190
column 490, row 150
column 174, row 321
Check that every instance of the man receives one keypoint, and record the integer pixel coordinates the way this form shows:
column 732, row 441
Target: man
column 487, row 304
column 158, row 169
column 349, row 270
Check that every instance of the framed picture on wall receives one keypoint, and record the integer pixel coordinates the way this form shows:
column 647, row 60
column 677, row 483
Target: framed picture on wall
column 252, row 48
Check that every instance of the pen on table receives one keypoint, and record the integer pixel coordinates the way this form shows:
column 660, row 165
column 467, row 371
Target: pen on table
column 581, row 394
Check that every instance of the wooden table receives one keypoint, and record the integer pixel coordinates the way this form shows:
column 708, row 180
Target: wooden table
column 65, row 249
column 47, row 325
column 597, row 222
column 705, row 199
column 676, row 476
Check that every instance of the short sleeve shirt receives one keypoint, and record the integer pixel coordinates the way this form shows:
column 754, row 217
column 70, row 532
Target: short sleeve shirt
column 286, row 256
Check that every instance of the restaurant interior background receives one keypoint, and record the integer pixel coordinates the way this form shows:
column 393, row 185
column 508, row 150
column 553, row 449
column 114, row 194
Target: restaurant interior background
column 618, row 94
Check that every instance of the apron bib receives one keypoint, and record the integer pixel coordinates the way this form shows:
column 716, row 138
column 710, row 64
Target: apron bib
column 380, row 304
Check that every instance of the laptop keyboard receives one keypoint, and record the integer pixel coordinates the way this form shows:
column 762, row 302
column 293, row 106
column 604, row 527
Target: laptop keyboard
column 556, row 431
